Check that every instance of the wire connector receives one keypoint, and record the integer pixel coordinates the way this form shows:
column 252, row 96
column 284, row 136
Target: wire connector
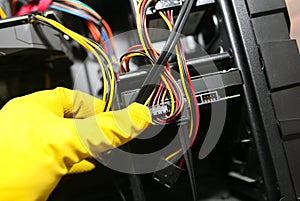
column 165, row 4
column 159, row 109
column 167, row 173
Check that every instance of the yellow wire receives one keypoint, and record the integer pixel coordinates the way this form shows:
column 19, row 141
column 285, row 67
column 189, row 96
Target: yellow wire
column 131, row 55
column 110, row 74
column 166, row 20
column 86, row 43
column 138, row 22
column 149, row 98
column 81, row 41
column 171, row 95
column 155, row 53
column 174, row 154
column 2, row 13
column 184, row 87
column 182, row 81
column 177, row 86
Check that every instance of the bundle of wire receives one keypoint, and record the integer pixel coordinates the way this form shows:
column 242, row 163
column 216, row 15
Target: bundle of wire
column 98, row 28
column 95, row 49
column 168, row 90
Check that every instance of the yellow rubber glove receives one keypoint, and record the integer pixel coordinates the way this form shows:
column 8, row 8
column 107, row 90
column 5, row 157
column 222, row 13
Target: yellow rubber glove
column 39, row 138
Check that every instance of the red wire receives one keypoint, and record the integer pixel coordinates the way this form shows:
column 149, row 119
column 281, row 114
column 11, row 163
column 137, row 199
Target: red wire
column 127, row 65
column 197, row 120
column 157, row 94
column 151, row 50
column 194, row 97
column 142, row 12
column 169, row 16
column 138, row 47
column 181, row 162
column 168, row 66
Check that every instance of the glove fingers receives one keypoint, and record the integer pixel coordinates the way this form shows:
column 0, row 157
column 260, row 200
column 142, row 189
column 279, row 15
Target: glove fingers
column 108, row 130
column 60, row 101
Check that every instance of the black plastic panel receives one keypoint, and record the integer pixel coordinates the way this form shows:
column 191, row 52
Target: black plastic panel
column 262, row 6
column 276, row 176
column 270, row 28
column 19, row 36
column 290, row 127
column 293, row 149
column 286, row 104
column 282, row 63
column 218, row 81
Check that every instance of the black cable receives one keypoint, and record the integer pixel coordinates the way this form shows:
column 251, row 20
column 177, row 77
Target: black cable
column 150, row 82
column 193, row 116
column 118, row 188
column 188, row 160
column 117, row 185
column 175, row 34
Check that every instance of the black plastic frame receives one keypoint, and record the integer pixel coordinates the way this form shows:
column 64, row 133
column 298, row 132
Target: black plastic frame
column 275, row 171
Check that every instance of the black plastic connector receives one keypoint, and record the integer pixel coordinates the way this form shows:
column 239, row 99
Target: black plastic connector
column 167, row 173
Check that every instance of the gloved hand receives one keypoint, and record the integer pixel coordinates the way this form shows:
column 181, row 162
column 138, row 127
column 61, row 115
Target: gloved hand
column 40, row 138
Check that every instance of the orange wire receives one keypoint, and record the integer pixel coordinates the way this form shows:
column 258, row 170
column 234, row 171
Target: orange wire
column 94, row 31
